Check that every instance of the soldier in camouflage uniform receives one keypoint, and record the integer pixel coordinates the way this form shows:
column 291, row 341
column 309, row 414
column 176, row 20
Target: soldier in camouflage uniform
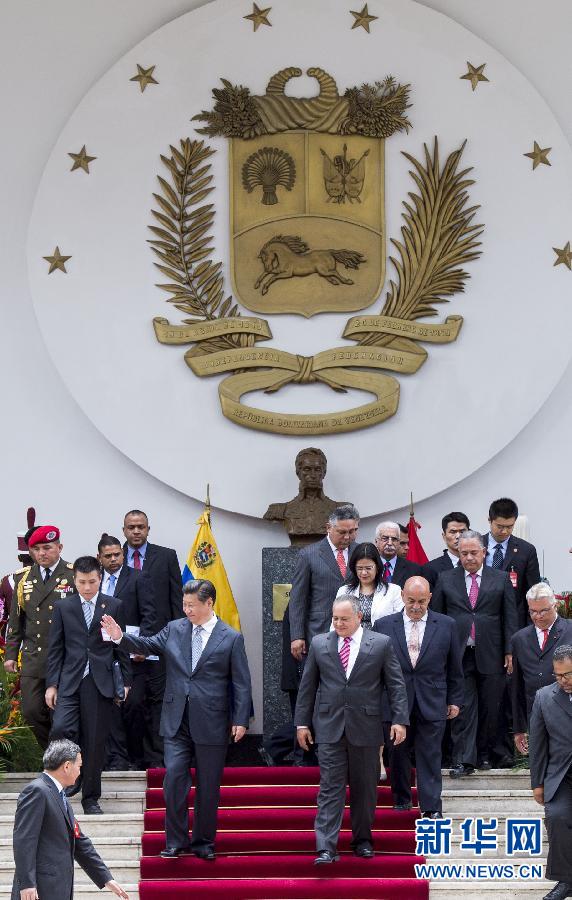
column 36, row 588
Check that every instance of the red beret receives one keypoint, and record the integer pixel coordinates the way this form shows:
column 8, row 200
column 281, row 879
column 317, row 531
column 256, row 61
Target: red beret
column 44, row 535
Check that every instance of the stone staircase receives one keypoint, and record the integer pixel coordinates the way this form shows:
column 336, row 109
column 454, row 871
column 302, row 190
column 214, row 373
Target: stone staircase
column 116, row 834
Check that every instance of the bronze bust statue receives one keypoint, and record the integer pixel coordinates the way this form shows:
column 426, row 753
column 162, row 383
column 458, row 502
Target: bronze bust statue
column 305, row 516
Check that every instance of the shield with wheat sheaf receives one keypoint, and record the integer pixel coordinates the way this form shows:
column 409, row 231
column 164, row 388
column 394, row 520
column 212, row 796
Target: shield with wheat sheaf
column 306, row 205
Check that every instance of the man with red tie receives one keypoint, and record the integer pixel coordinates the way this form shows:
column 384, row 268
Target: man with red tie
column 320, row 572
column 396, row 569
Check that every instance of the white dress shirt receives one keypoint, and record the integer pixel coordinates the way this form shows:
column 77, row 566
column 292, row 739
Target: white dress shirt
column 51, row 568
column 335, row 550
column 105, row 581
column 454, row 559
column 207, row 630
column 59, row 786
column 421, row 623
column 540, row 633
column 355, row 643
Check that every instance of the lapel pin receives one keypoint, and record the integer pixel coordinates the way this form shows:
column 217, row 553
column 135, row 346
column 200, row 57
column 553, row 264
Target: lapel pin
column 103, row 605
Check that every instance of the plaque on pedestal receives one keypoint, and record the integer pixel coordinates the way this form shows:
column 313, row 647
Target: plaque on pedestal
column 278, row 565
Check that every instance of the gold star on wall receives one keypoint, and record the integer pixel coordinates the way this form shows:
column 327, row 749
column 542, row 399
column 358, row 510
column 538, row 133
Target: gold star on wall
column 564, row 256
column 57, row 261
column 362, row 19
column 259, row 17
column 474, row 74
column 81, row 160
column 144, row 77
column 539, row 155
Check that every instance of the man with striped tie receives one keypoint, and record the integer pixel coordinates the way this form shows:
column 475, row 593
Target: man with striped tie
column 79, row 673
column 347, row 670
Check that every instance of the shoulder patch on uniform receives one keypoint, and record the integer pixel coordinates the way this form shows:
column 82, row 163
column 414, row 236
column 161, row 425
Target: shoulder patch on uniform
column 69, row 565
column 21, row 571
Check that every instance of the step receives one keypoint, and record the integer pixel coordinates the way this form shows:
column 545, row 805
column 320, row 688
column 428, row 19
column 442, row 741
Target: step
column 498, row 779
column 324, row 887
column 254, row 796
column 123, row 871
column 292, row 841
column 111, row 781
column 277, row 866
column 110, row 802
column 492, row 802
column 108, row 847
column 118, row 824
column 284, row 818
column 482, row 890
column 86, row 891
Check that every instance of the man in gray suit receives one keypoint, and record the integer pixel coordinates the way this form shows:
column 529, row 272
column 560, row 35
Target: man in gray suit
column 47, row 837
column 207, row 698
column 343, row 681
column 550, row 741
column 320, row 572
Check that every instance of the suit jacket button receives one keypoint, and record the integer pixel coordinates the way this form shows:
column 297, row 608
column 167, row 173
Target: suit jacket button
column 39, row 648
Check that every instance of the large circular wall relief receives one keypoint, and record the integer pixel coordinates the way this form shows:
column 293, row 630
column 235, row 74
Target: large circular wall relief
column 401, row 339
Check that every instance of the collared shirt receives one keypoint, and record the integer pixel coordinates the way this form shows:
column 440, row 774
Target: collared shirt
column 59, row 786
column 335, row 550
column 131, row 551
column 208, row 628
column 355, row 643
column 92, row 603
column 540, row 633
column 454, row 559
column 491, row 549
column 391, row 563
column 409, row 622
column 105, row 581
column 51, row 568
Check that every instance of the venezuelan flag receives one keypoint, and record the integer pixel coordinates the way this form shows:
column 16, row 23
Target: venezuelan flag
column 204, row 561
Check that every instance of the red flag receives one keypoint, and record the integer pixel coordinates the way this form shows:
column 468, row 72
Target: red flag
column 416, row 553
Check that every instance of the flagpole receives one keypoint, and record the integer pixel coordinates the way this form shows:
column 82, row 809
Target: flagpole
column 411, row 510
column 208, row 504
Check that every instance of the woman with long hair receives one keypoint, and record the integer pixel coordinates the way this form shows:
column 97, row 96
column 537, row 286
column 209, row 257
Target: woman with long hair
column 364, row 580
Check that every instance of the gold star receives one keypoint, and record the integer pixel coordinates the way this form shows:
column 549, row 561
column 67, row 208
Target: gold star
column 81, row 160
column 474, row 74
column 259, row 16
column 362, row 18
column 538, row 155
column 564, row 256
column 144, row 77
column 57, row 261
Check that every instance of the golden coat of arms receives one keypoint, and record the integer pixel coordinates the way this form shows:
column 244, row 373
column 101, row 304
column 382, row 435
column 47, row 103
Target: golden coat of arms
column 307, row 222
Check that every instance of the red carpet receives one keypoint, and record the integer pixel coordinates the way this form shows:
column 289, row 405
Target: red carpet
column 265, row 845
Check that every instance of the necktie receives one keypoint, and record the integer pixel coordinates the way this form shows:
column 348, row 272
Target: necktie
column 64, row 800
column 88, row 611
column 111, row 584
column 136, row 559
column 545, row 633
column 413, row 643
column 47, row 575
column 345, row 653
column 473, row 594
column 196, row 646
column 497, row 557
column 341, row 563
column 387, row 572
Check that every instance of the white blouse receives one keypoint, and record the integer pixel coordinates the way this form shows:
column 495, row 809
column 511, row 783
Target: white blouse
column 386, row 600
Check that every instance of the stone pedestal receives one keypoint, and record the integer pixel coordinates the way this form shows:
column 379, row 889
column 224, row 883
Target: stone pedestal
column 278, row 565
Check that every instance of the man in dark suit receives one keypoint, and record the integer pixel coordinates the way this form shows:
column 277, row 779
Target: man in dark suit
column 320, row 572
column 551, row 769
column 427, row 649
column 452, row 525
column 162, row 567
column 511, row 554
column 36, row 589
column 126, row 748
column 481, row 600
column 79, row 673
column 532, row 651
column 342, row 686
column 207, row 698
column 47, row 837
column 395, row 569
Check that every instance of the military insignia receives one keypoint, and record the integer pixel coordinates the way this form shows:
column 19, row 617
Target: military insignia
column 51, row 535
column 308, row 236
column 205, row 555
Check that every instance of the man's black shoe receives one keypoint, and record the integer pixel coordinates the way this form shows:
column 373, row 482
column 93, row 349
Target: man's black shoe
column 559, row 892
column 205, row 854
column 172, row 852
column 484, row 765
column 365, row 851
column 402, row 807
column 324, row 858
column 92, row 809
column 461, row 770
column 432, row 814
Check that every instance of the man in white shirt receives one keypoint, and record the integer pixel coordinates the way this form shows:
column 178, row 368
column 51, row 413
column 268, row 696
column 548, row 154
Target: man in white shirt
column 350, row 669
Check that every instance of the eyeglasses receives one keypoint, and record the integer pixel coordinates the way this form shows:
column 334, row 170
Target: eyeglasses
column 565, row 675
column 387, row 539
column 539, row 612
column 365, row 569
